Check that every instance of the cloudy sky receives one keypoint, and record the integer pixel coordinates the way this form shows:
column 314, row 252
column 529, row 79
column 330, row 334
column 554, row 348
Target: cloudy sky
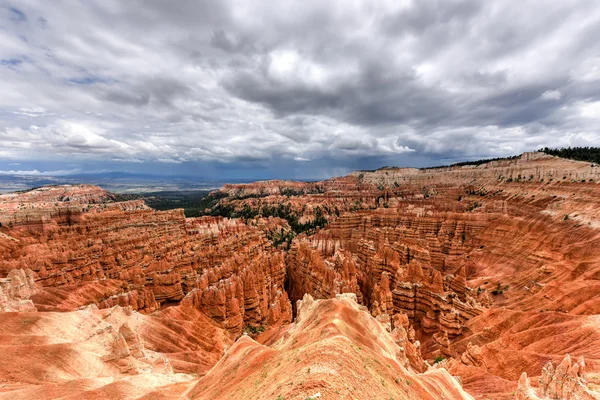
column 292, row 89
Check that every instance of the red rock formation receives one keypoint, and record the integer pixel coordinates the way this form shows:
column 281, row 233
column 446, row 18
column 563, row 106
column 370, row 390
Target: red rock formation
column 323, row 274
column 452, row 241
column 16, row 290
column 335, row 349
column 492, row 267
column 110, row 353
column 36, row 209
column 244, row 291
column 400, row 264
column 566, row 382
column 146, row 259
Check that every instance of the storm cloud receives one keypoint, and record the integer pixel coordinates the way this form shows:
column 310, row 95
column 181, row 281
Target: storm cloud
column 293, row 89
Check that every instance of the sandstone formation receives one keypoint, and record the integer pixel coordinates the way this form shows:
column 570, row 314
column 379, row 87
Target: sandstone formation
column 400, row 263
column 58, row 202
column 333, row 350
column 468, row 253
column 490, row 273
column 16, row 290
column 566, row 381
column 110, row 353
column 147, row 259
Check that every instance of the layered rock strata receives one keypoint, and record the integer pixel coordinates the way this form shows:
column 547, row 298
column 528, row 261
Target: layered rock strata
column 334, row 349
column 146, row 260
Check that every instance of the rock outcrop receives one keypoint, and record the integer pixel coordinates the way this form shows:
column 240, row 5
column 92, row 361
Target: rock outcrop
column 147, row 259
column 335, row 349
column 566, row 381
column 114, row 352
column 396, row 262
column 16, row 290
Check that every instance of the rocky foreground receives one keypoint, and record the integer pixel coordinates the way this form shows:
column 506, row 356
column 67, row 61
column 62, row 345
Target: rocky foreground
column 461, row 282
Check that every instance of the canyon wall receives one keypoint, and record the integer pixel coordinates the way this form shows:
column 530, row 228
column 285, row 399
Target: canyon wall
column 465, row 253
column 146, row 260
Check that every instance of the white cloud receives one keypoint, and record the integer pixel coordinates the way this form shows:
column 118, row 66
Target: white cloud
column 35, row 172
column 551, row 95
column 30, row 112
column 590, row 110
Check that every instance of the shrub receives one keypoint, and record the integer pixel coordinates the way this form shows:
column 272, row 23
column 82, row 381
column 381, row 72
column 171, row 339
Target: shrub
column 499, row 290
column 254, row 330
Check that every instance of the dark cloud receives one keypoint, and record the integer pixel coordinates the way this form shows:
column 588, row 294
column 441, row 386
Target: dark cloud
column 431, row 15
column 126, row 97
column 288, row 87
column 17, row 15
column 13, row 62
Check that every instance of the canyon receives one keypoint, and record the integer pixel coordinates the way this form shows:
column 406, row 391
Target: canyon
column 477, row 281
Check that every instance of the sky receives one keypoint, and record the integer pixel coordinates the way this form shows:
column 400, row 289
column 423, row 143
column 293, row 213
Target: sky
column 291, row 89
